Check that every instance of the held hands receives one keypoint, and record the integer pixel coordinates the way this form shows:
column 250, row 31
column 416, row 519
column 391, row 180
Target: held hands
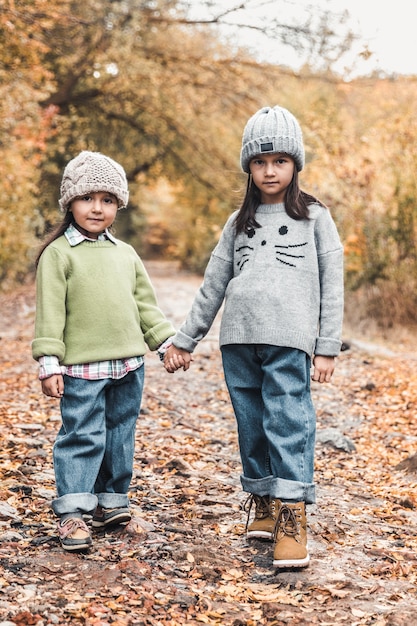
column 175, row 358
column 53, row 386
column 323, row 368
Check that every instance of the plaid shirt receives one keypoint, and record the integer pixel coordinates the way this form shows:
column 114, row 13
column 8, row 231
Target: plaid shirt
column 117, row 368
column 49, row 365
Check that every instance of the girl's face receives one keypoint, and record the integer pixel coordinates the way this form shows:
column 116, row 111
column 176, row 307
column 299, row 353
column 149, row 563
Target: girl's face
column 272, row 173
column 94, row 212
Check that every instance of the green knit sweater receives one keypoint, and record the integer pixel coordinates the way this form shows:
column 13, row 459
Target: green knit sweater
column 95, row 302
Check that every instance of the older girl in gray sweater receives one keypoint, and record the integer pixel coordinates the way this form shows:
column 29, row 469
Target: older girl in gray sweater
column 278, row 267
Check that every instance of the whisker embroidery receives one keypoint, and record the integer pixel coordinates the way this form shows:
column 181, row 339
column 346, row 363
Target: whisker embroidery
column 245, row 258
column 286, row 263
column 295, row 245
column 293, row 256
column 280, row 253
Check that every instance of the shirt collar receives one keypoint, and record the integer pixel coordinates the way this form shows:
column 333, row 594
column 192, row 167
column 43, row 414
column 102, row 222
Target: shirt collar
column 74, row 237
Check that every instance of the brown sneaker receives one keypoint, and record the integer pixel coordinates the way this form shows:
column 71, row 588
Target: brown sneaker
column 103, row 518
column 74, row 534
column 266, row 510
column 291, row 536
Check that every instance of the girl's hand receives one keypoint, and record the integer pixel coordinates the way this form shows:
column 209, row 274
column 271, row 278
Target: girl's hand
column 175, row 358
column 323, row 368
column 53, row 386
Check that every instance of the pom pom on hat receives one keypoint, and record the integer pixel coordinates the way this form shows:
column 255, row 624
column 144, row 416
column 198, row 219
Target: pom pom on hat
column 272, row 129
column 90, row 172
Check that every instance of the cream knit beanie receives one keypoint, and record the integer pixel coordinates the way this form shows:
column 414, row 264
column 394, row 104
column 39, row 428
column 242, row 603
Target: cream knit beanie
column 272, row 130
column 90, row 172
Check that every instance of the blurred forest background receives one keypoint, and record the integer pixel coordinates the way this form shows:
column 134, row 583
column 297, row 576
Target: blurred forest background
column 167, row 95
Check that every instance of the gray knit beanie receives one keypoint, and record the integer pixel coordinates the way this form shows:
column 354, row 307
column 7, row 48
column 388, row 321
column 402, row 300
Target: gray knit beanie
column 272, row 130
column 90, row 172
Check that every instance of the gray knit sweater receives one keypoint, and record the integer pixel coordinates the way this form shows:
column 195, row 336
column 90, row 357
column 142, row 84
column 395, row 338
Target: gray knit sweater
column 282, row 284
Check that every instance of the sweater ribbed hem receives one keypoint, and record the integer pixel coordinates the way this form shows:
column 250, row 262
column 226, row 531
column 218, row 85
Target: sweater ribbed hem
column 269, row 336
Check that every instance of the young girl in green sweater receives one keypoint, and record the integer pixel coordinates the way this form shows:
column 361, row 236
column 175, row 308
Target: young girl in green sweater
column 96, row 312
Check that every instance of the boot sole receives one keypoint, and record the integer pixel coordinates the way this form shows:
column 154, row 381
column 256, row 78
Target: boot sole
column 292, row 562
column 260, row 534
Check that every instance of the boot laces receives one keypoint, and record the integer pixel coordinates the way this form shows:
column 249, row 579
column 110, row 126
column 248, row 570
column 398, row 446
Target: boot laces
column 261, row 507
column 288, row 522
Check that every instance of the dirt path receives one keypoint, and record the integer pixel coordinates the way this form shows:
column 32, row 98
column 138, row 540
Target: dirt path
column 184, row 559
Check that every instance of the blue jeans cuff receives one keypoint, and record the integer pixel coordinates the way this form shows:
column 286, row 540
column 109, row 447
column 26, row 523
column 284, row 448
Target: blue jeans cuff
column 280, row 488
column 113, row 500
column 74, row 503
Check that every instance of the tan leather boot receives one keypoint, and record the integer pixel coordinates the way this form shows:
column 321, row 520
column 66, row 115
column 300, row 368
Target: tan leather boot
column 290, row 533
column 263, row 524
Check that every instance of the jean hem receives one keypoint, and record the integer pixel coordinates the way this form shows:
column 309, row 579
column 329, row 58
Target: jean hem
column 113, row 500
column 280, row 488
column 74, row 503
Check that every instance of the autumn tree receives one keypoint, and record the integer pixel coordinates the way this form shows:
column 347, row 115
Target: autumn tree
column 361, row 145
column 25, row 126
column 148, row 83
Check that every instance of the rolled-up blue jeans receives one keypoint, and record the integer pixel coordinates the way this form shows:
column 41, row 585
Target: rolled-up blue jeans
column 269, row 387
column 94, row 449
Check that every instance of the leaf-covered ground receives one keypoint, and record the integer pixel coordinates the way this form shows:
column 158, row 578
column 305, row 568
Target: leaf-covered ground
column 184, row 558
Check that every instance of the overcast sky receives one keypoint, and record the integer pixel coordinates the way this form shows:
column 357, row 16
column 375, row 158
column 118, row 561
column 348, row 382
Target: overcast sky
column 388, row 29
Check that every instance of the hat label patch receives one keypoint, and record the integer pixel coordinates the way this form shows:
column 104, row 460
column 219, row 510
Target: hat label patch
column 267, row 147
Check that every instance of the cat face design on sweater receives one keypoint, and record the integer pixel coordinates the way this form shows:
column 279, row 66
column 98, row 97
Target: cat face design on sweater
column 289, row 254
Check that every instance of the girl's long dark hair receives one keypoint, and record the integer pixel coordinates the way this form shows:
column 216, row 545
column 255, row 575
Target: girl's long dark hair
column 59, row 230
column 296, row 204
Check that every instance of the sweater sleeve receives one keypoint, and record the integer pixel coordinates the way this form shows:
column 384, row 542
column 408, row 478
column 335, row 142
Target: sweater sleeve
column 155, row 326
column 211, row 293
column 50, row 305
column 330, row 259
